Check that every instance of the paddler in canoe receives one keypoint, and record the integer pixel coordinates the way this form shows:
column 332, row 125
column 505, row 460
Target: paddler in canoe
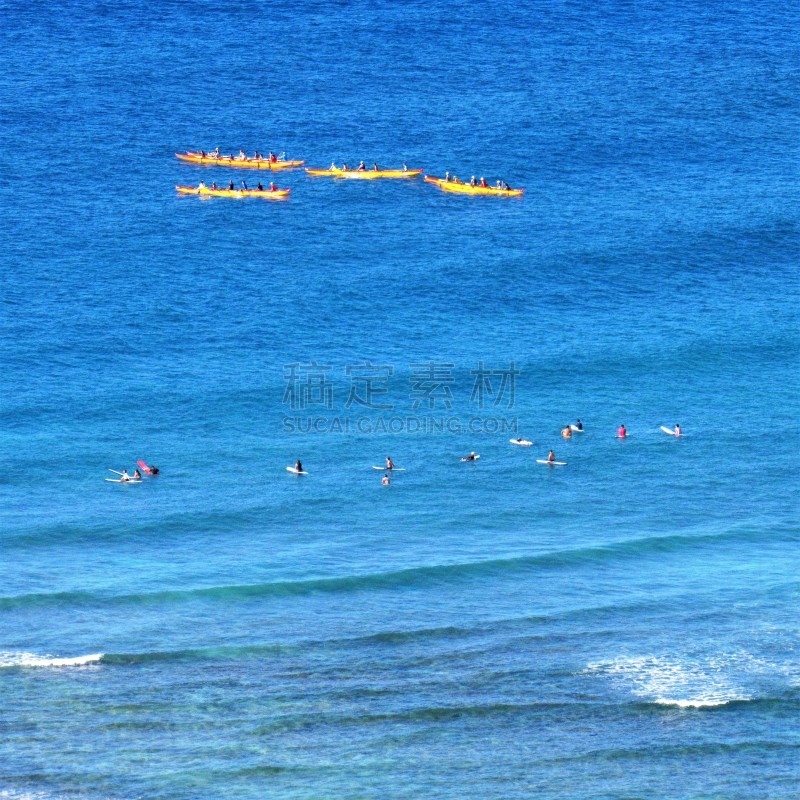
column 362, row 167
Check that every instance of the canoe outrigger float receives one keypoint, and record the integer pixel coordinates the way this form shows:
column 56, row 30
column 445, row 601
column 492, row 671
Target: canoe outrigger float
column 204, row 191
column 467, row 188
column 364, row 174
column 239, row 163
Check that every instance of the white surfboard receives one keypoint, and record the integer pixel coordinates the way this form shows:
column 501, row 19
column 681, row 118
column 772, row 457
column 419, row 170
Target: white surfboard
column 391, row 469
column 551, row 463
column 576, row 429
column 119, row 480
column 295, row 471
column 670, row 431
column 521, row 443
column 626, row 436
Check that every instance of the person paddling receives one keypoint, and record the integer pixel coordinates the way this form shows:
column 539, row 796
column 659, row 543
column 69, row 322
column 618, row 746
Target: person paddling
column 470, row 457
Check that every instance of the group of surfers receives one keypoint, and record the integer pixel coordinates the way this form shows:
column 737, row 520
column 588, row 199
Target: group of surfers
column 271, row 157
column 482, row 183
column 124, row 477
column 231, row 188
column 622, row 432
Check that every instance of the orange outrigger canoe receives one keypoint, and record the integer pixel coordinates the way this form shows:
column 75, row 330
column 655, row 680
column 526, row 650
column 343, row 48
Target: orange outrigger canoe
column 466, row 188
column 205, row 191
column 232, row 161
column 364, row 174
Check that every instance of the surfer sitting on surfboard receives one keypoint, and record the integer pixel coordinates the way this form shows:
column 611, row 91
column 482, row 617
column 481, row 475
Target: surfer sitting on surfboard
column 389, row 463
column 579, row 425
column 551, row 456
column 124, row 477
column 137, row 476
column 677, row 429
column 298, row 466
column 621, row 432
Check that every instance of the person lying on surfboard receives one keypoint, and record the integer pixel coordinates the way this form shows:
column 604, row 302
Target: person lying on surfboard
column 470, row 457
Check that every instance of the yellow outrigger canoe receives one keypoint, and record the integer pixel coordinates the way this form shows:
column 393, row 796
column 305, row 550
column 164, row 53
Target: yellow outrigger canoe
column 232, row 161
column 205, row 191
column 466, row 188
column 364, row 174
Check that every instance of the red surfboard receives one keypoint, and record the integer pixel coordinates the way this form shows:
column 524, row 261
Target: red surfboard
column 144, row 467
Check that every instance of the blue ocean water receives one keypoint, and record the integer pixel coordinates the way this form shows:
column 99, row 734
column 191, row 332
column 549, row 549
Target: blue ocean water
column 622, row 627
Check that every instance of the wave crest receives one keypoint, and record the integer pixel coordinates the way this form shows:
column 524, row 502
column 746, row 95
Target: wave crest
column 17, row 659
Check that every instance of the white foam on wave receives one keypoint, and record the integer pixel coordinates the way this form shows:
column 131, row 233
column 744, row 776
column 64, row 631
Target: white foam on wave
column 686, row 683
column 16, row 659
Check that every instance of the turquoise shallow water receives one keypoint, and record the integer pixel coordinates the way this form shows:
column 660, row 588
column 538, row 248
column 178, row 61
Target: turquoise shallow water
column 622, row 627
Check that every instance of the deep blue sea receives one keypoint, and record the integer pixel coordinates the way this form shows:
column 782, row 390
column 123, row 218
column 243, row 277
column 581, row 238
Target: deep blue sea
column 625, row 627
